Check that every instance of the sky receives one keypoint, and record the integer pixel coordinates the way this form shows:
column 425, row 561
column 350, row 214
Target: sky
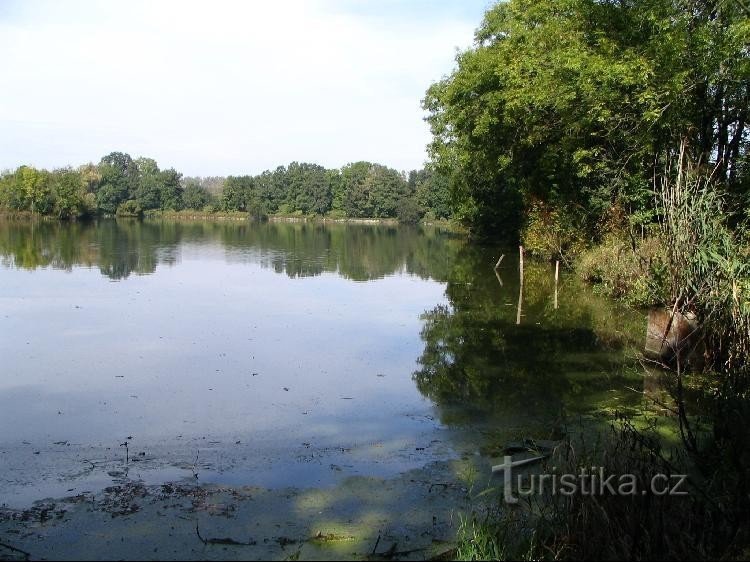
column 224, row 87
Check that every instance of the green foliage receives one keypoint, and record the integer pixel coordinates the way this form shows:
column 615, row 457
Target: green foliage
column 196, row 197
column 119, row 180
column 236, row 193
column 26, row 189
column 371, row 190
column 409, row 211
column 308, row 188
column 362, row 189
column 61, row 193
column 553, row 233
column 147, row 191
column 507, row 538
column 170, row 190
column 35, row 189
column 693, row 525
column 636, row 277
column 130, row 208
column 431, row 190
column 354, row 185
column 10, row 194
column 709, row 273
column 69, row 194
column 576, row 102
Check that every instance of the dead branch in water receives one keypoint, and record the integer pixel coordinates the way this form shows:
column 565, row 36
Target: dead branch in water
column 225, row 541
column 17, row 550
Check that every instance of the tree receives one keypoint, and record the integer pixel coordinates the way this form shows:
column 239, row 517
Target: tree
column 34, row 189
column 579, row 103
column 11, row 194
column 170, row 190
column 69, row 194
column 148, row 189
column 119, row 179
column 386, row 188
column 310, row 188
column 355, row 189
column 130, row 209
column 196, row 197
column 409, row 211
column 432, row 193
column 337, row 191
column 237, row 193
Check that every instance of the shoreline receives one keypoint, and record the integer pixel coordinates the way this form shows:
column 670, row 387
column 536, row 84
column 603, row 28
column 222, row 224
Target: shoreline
column 235, row 216
column 415, row 515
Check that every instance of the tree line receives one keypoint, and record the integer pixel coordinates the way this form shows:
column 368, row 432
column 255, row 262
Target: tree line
column 121, row 185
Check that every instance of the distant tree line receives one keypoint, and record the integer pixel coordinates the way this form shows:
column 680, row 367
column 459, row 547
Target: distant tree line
column 121, row 185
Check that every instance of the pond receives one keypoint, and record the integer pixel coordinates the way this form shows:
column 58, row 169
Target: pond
column 280, row 354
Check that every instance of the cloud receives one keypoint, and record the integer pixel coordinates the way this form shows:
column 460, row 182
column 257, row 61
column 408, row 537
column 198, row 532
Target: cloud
column 221, row 87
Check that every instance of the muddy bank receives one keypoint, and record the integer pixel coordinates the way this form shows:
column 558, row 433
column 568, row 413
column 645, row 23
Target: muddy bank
column 412, row 516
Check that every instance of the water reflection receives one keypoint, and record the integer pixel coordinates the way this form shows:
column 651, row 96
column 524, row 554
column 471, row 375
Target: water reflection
column 120, row 248
column 250, row 342
column 503, row 360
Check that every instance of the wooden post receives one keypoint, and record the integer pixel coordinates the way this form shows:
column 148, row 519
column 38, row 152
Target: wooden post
column 499, row 279
column 557, row 277
column 520, row 284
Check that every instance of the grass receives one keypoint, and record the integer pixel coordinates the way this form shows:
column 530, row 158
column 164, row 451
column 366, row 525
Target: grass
column 700, row 525
column 634, row 277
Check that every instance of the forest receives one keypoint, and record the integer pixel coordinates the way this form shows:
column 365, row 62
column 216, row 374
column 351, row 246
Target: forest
column 123, row 186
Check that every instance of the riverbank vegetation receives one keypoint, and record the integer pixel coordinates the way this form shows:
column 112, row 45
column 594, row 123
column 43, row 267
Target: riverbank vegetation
column 559, row 123
column 613, row 136
column 126, row 187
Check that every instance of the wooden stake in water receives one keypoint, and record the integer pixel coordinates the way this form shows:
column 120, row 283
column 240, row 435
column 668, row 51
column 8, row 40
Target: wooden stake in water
column 557, row 277
column 520, row 284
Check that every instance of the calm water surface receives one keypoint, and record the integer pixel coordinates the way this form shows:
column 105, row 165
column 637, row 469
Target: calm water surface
column 280, row 354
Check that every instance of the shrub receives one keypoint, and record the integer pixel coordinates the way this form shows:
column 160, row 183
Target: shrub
column 409, row 211
column 130, row 208
column 636, row 277
column 553, row 233
column 336, row 214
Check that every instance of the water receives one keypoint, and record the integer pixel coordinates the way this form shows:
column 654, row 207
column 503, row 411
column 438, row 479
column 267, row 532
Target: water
column 283, row 354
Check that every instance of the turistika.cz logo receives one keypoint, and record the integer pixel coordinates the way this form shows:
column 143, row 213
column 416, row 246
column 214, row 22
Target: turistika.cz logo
column 592, row 481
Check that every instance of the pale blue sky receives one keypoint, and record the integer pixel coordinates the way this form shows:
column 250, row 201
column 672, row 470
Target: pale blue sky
column 224, row 87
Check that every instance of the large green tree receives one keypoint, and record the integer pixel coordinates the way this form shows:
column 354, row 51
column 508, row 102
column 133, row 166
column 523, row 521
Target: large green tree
column 147, row 191
column 170, row 189
column 578, row 104
column 119, row 181
column 237, row 193
column 371, row 190
column 69, row 194
column 196, row 197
